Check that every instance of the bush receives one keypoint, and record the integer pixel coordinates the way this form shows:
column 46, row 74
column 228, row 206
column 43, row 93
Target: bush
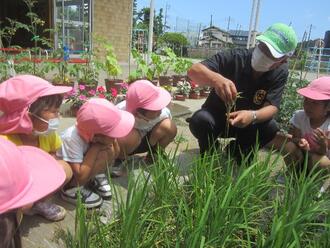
column 291, row 101
column 174, row 40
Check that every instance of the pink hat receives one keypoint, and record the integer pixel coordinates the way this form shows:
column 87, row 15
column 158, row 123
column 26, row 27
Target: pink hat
column 319, row 89
column 16, row 95
column 99, row 116
column 27, row 175
column 143, row 94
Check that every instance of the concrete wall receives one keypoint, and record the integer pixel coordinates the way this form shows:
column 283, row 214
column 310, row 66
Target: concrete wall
column 112, row 19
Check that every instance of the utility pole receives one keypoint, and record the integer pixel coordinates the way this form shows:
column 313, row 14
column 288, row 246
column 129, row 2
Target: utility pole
column 309, row 35
column 167, row 7
column 251, row 23
column 256, row 24
column 211, row 22
column 228, row 24
column 151, row 29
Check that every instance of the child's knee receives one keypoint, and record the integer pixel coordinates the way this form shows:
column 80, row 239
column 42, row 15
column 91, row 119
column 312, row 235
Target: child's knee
column 165, row 128
column 67, row 169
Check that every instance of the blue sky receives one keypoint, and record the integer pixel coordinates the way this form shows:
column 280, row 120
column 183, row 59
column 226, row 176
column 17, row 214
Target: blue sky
column 300, row 13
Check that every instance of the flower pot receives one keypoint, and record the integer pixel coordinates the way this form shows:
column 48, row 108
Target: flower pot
column 180, row 97
column 165, row 80
column 194, row 95
column 89, row 86
column 113, row 83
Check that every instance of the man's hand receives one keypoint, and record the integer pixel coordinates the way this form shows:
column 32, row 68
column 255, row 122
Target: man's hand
column 225, row 89
column 240, row 118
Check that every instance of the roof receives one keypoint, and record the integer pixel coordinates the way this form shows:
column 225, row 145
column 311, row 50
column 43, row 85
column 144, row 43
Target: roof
column 238, row 33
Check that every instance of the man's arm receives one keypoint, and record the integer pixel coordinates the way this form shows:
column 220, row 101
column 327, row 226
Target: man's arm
column 244, row 118
column 203, row 76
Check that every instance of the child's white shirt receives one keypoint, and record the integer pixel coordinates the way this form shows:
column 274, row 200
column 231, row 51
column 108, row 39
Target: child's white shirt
column 301, row 121
column 144, row 126
column 73, row 146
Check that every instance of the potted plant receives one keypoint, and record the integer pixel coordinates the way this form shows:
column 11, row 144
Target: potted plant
column 112, row 68
column 77, row 97
column 166, row 64
column 182, row 90
column 195, row 91
column 205, row 91
column 180, row 68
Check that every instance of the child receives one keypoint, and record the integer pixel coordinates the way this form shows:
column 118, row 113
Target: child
column 30, row 111
column 27, row 175
column 153, row 125
column 310, row 127
column 89, row 146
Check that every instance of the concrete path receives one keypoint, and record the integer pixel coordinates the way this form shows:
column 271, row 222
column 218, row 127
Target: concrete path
column 38, row 232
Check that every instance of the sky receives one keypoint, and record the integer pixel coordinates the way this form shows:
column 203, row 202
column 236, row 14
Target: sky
column 301, row 14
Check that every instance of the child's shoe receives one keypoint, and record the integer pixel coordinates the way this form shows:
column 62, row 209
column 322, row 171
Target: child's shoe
column 88, row 197
column 48, row 210
column 101, row 185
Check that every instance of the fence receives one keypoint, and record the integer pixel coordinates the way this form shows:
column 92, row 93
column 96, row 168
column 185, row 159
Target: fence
column 318, row 60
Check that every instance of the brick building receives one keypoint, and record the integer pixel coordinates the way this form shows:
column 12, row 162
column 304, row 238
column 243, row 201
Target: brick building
column 76, row 22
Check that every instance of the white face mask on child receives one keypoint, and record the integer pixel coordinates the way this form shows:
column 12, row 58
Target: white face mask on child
column 260, row 62
column 53, row 125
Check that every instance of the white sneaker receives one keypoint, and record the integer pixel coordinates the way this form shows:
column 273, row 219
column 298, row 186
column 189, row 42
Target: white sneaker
column 88, row 197
column 101, row 185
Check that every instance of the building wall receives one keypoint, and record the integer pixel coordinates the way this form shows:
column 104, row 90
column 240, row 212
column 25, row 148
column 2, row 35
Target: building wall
column 112, row 20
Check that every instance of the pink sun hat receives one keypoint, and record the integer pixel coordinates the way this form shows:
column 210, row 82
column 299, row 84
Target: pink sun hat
column 318, row 89
column 16, row 95
column 27, row 175
column 143, row 94
column 99, row 116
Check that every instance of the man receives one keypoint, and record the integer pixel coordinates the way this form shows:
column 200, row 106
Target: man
column 250, row 82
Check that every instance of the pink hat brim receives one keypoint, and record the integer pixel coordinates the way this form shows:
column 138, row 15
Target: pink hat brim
column 56, row 90
column 124, row 126
column 47, row 175
column 163, row 99
column 309, row 93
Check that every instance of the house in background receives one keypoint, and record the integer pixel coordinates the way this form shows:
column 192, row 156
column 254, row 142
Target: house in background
column 214, row 37
column 239, row 37
column 76, row 22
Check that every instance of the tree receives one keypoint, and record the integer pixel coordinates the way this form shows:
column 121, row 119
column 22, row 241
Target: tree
column 176, row 41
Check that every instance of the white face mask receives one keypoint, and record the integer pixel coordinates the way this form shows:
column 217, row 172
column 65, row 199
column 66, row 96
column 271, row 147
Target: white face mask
column 53, row 125
column 260, row 62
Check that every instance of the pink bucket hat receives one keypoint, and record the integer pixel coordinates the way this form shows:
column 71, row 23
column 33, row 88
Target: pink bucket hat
column 143, row 94
column 27, row 175
column 16, row 95
column 99, row 116
column 318, row 89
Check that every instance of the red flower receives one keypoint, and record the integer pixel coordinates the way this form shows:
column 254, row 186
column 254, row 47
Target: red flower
column 101, row 89
column 114, row 92
column 101, row 96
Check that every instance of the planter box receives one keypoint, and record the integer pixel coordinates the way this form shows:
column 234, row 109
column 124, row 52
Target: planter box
column 180, row 97
column 194, row 95
column 113, row 83
column 204, row 93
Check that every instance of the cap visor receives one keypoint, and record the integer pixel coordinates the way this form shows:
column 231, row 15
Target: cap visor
column 163, row 99
column 124, row 126
column 57, row 90
column 47, row 175
column 307, row 92
column 270, row 46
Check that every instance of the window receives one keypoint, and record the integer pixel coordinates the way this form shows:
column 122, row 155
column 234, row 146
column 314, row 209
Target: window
column 73, row 27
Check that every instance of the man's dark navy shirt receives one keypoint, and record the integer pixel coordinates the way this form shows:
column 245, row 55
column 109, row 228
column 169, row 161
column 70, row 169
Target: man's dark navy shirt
column 235, row 65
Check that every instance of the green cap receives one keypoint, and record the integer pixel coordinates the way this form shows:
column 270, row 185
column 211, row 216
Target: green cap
column 280, row 39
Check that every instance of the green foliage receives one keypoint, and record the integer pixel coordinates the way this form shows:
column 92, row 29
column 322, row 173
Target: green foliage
column 111, row 64
column 173, row 40
column 216, row 204
column 291, row 101
column 182, row 65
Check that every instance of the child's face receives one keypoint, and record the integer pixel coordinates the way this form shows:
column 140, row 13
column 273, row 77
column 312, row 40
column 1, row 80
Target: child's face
column 149, row 115
column 46, row 115
column 315, row 109
column 102, row 139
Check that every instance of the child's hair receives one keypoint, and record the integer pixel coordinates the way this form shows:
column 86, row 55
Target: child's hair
column 46, row 102
column 9, row 231
column 141, row 111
